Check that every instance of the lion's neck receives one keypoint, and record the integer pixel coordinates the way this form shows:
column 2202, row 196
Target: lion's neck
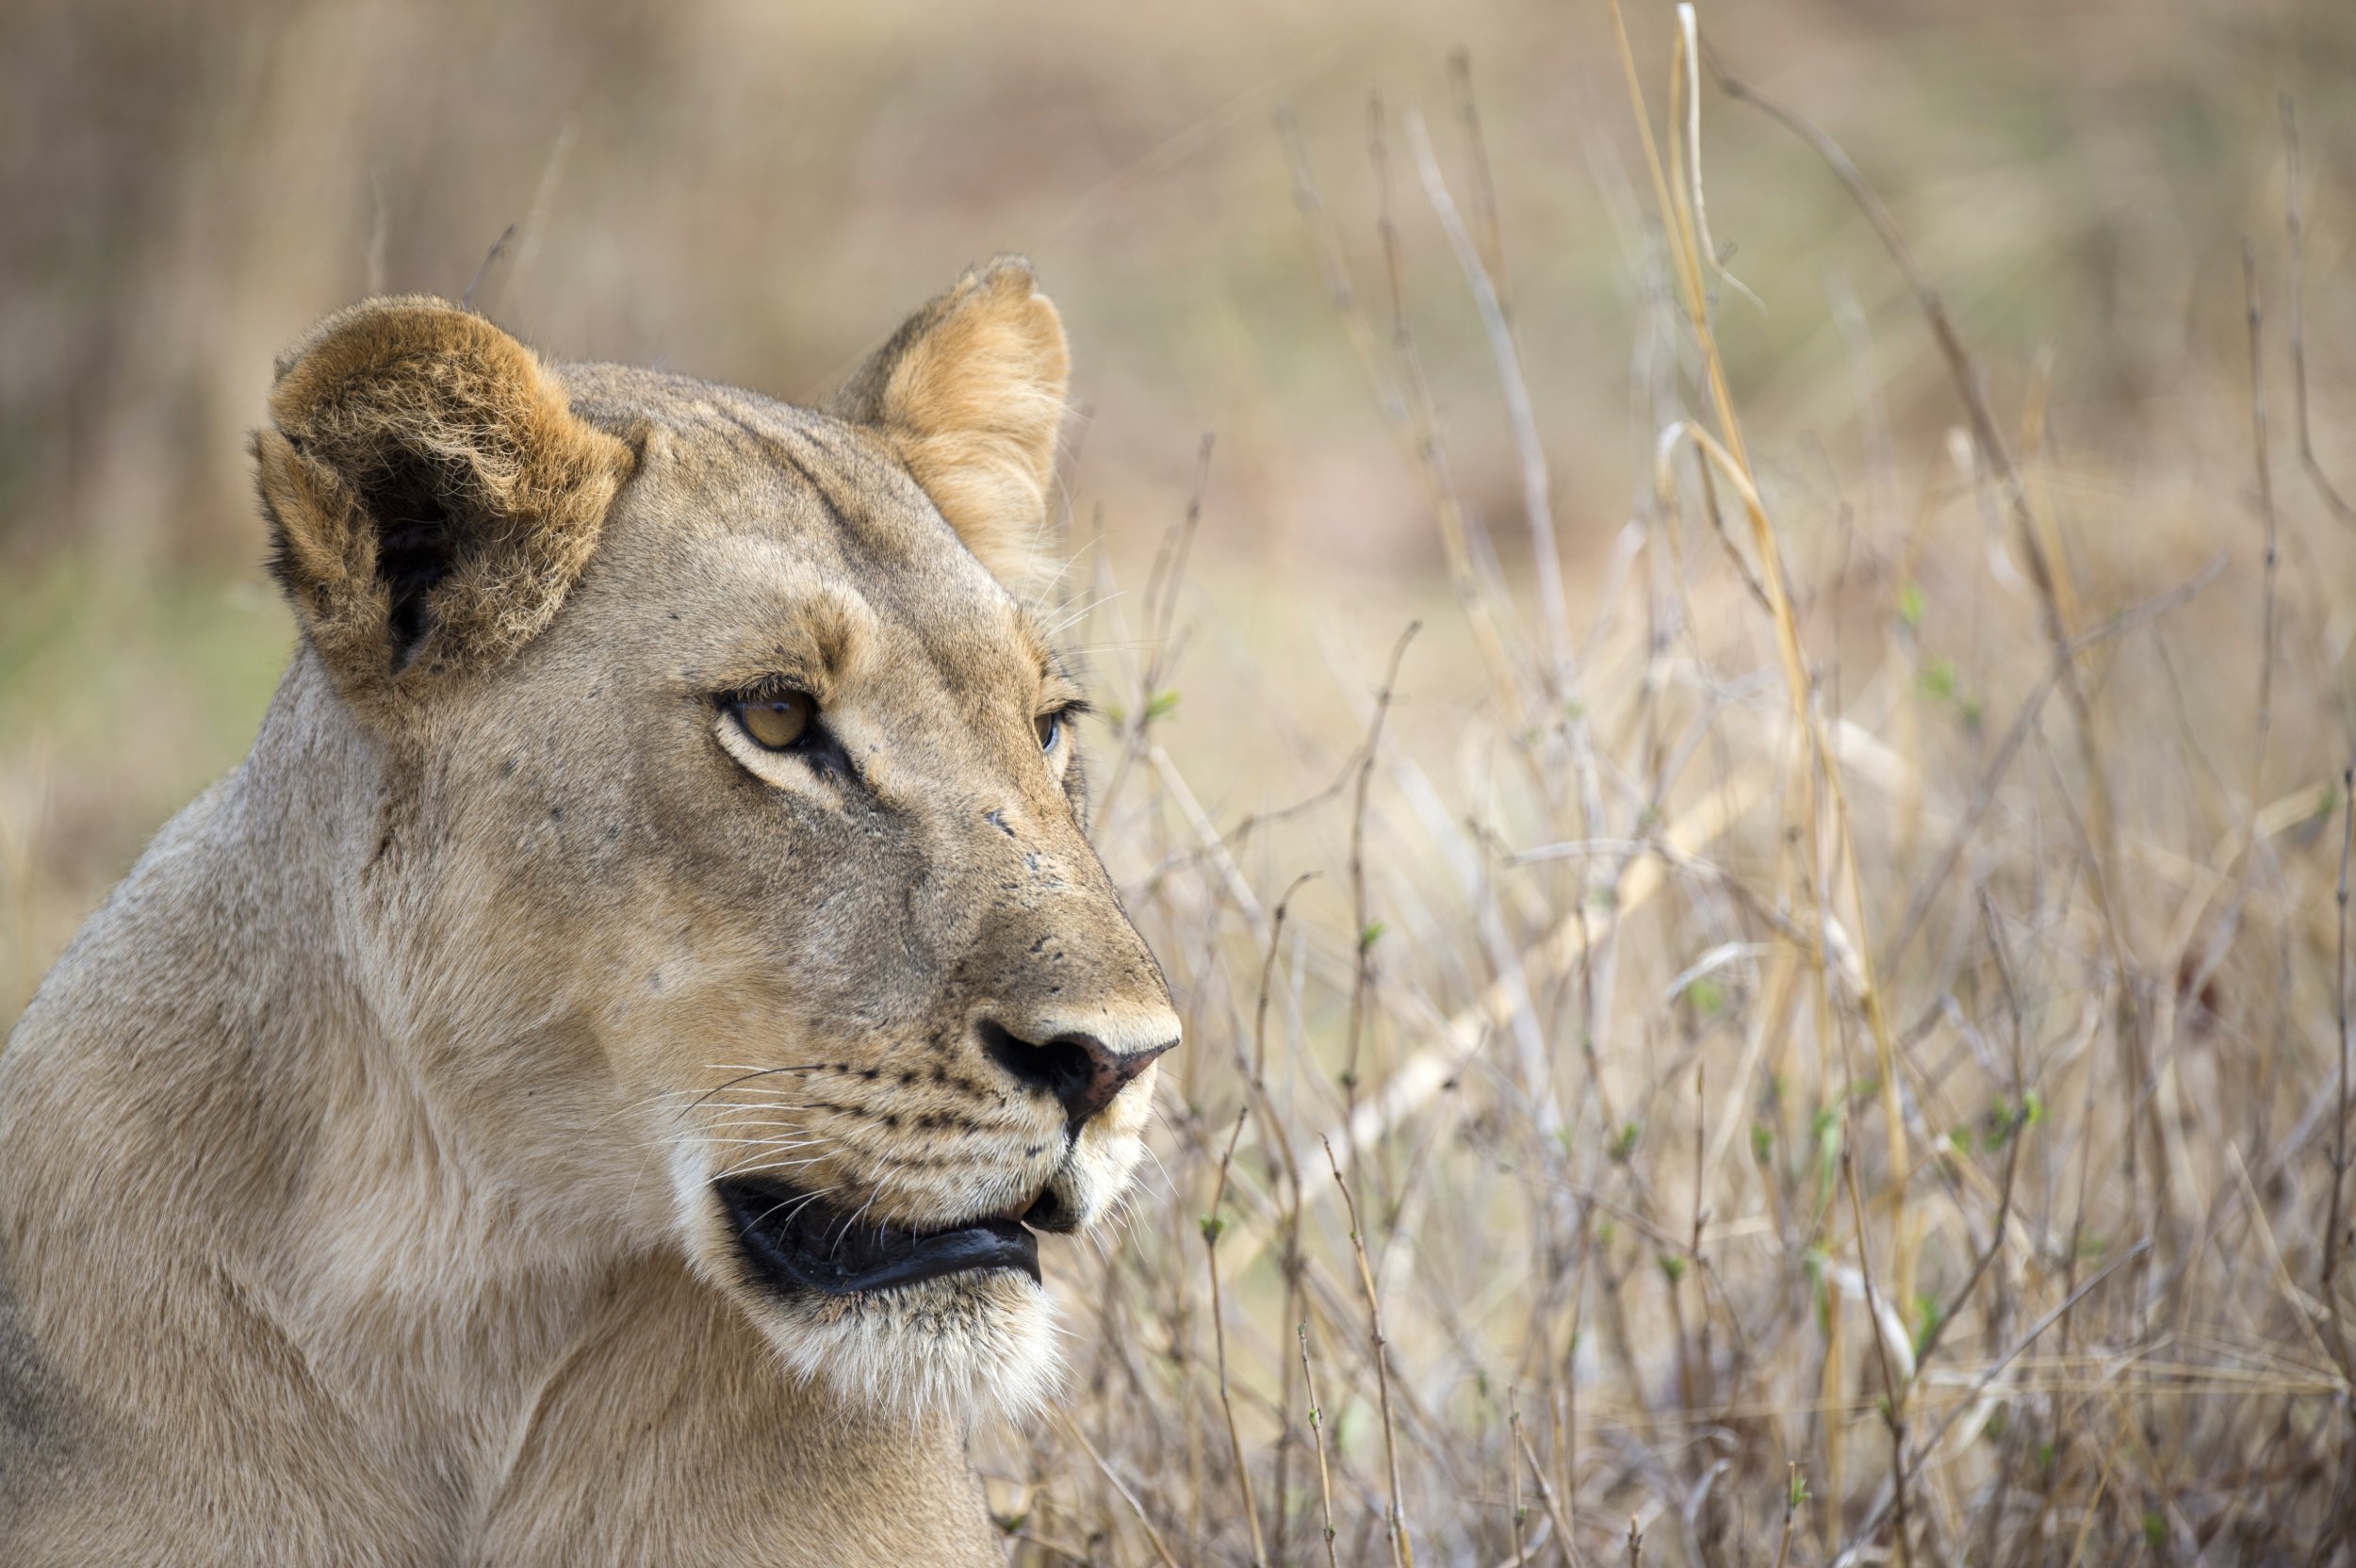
column 238, row 1142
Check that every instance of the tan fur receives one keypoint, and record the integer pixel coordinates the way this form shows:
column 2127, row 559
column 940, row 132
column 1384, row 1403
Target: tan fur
column 971, row 394
column 355, row 1160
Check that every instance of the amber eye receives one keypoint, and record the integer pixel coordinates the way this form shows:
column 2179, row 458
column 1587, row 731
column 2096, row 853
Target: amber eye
column 1050, row 727
column 778, row 723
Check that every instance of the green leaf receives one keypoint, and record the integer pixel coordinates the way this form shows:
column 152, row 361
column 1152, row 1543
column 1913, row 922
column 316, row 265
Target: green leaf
column 1910, row 605
column 1927, row 1315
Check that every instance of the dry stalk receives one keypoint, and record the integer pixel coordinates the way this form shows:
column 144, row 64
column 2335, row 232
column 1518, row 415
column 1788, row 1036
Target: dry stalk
column 1536, row 504
column 1791, row 1506
column 1316, row 1430
column 1334, row 266
column 1995, row 1369
column 1152, row 1536
column 2025, row 725
column 2294, row 220
column 490, row 259
column 536, row 225
column 1484, row 185
column 1733, row 461
column 1363, row 930
column 1893, row 1409
column 1212, row 1225
column 1513, row 1471
column 2256, row 315
column 1556, row 1512
column 2045, row 571
column 2020, row 1133
column 1825, row 770
column 2327, row 1285
column 1402, row 1547
column 1417, row 424
column 1423, row 1075
column 1272, row 1134
column 1161, row 609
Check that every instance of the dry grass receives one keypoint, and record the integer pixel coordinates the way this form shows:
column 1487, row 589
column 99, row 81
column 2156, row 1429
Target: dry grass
column 1768, row 1102
column 1804, row 1021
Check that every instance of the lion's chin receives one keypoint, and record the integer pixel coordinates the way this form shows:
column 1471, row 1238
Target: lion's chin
column 960, row 1347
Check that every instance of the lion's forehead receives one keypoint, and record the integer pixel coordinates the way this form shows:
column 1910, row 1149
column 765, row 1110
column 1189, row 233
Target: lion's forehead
column 753, row 518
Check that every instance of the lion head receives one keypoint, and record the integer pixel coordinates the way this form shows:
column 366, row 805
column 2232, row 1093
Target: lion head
column 730, row 872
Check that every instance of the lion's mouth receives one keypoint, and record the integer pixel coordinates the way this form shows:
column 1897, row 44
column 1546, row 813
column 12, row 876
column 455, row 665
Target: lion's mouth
column 793, row 1241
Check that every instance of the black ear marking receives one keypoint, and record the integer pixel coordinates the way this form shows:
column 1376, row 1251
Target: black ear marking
column 409, row 504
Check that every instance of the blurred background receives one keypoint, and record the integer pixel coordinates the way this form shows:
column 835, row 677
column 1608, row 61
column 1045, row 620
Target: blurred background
column 757, row 193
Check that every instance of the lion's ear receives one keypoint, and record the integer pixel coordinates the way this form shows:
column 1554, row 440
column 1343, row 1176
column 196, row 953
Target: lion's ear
column 970, row 392
column 431, row 494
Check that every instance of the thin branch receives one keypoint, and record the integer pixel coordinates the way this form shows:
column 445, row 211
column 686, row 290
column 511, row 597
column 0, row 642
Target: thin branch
column 1403, row 1548
column 1316, row 1430
column 1151, row 1535
column 2295, row 222
column 1211, row 1227
column 1894, row 1408
column 1546, row 1495
column 2330, row 1282
column 1536, row 502
column 2024, row 723
column 2256, row 315
column 1363, row 933
column 499, row 248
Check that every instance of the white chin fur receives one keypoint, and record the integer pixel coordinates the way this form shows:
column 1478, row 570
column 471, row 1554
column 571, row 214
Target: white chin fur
column 963, row 1345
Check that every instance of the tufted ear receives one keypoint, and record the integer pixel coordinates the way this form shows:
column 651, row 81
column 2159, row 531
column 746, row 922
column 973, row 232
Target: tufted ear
column 431, row 495
column 969, row 393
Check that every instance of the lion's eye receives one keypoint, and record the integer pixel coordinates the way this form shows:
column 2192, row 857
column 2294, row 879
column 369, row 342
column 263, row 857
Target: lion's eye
column 1050, row 727
column 779, row 722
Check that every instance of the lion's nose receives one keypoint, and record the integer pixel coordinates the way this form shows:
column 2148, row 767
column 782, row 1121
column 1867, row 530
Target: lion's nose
column 1078, row 1069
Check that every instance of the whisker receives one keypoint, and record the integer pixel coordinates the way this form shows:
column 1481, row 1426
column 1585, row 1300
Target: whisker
column 843, row 1234
column 797, row 1204
column 766, row 1166
column 744, row 1076
column 767, row 1143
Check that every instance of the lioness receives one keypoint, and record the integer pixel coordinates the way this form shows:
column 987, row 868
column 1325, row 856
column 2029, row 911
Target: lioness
column 582, row 1091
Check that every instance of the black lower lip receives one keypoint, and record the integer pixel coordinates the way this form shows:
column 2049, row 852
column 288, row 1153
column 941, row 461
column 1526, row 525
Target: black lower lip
column 793, row 1241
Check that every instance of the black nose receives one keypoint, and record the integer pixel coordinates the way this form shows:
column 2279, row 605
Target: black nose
column 1079, row 1070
